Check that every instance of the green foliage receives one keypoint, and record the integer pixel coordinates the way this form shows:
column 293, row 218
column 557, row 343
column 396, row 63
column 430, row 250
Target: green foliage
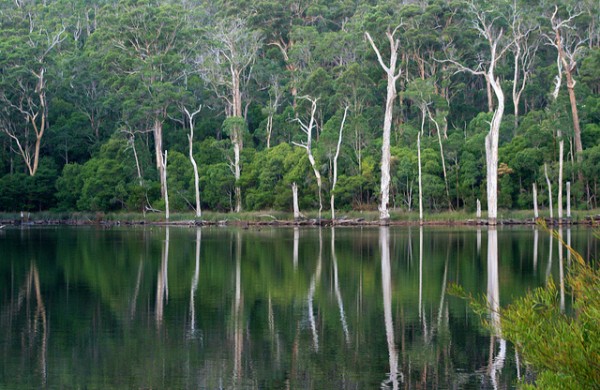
column 130, row 66
column 563, row 347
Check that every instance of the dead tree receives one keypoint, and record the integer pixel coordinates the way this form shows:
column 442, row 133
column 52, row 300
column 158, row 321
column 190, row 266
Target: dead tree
column 524, row 50
column 307, row 128
column 393, row 72
column 497, row 48
column 335, row 167
column 568, row 46
column 190, row 116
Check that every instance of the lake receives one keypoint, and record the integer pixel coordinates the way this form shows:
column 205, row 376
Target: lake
column 268, row 308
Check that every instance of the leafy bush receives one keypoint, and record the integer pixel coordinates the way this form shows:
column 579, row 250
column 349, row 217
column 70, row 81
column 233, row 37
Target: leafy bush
column 563, row 348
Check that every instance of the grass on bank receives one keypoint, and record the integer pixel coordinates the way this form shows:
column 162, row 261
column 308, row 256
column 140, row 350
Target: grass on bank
column 273, row 215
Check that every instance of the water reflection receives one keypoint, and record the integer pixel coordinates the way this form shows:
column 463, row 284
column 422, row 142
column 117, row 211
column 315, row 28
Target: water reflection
column 386, row 285
column 311, row 293
column 162, row 281
column 493, row 296
column 194, row 286
column 234, row 311
column 336, row 283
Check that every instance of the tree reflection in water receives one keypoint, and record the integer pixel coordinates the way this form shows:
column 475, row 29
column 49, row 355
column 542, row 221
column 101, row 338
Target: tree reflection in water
column 493, row 297
column 270, row 308
column 386, row 285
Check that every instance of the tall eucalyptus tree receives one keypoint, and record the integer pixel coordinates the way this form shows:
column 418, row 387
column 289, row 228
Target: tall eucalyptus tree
column 226, row 65
column 144, row 46
column 29, row 41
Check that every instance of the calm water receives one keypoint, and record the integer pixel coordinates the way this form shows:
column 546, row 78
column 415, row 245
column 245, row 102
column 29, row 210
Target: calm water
column 354, row 308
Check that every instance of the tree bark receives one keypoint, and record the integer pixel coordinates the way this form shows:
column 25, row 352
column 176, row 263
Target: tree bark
column 295, row 202
column 561, row 146
column 164, row 179
column 491, row 141
column 190, row 117
column 549, row 191
column 157, row 131
column 439, row 136
column 536, row 215
column 335, row 167
column 392, row 77
column 420, row 182
column 569, row 199
column 308, row 147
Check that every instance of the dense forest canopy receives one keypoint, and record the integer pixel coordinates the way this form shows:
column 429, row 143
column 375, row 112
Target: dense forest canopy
column 253, row 99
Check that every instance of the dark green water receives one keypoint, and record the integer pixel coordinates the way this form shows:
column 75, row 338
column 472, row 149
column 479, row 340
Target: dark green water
column 357, row 308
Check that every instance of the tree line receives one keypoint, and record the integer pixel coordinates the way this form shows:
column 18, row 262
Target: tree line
column 229, row 106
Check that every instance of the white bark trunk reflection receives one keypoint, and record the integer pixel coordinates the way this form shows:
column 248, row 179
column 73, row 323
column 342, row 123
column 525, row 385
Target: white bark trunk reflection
column 137, row 289
column 336, row 284
column 238, row 331
column 493, row 296
column 535, row 248
column 162, row 285
column 386, row 284
column 194, row 286
column 311, row 294
column 549, row 267
column 421, row 273
column 296, row 243
column 561, row 274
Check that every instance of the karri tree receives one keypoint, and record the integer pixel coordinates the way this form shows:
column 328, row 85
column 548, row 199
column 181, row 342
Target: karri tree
column 486, row 24
column 393, row 72
column 144, row 50
column 226, row 65
column 28, row 46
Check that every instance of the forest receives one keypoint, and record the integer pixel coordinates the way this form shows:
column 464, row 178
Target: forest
column 195, row 105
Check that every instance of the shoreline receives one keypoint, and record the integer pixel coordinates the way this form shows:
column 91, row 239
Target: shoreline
column 33, row 221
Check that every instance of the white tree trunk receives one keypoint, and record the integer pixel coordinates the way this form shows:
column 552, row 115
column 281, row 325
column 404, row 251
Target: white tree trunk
column 308, row 147
column 569, row 199
column 190, row 117
column 536, row 214
column 420, row 182
column 491, row 149
column 392, row 77
column 295, row 201
column 237, row 174
column 478, row 212
column 164, row 179
column 157, row 131
column 335, row 168
column 549, row 191
column 439, row 135
column 561, row 146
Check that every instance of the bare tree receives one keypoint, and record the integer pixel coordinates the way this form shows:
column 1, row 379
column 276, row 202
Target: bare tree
column 190, row 117
column 524, row 49
column 486, row 26
column 164, row 179
column 307, row 128
column 549, row 183
column 275, row 95
column 393, row 74
column 439, row 136
column 335, row 167
column 420, row 177
column 226, row 66
column 568, row 45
